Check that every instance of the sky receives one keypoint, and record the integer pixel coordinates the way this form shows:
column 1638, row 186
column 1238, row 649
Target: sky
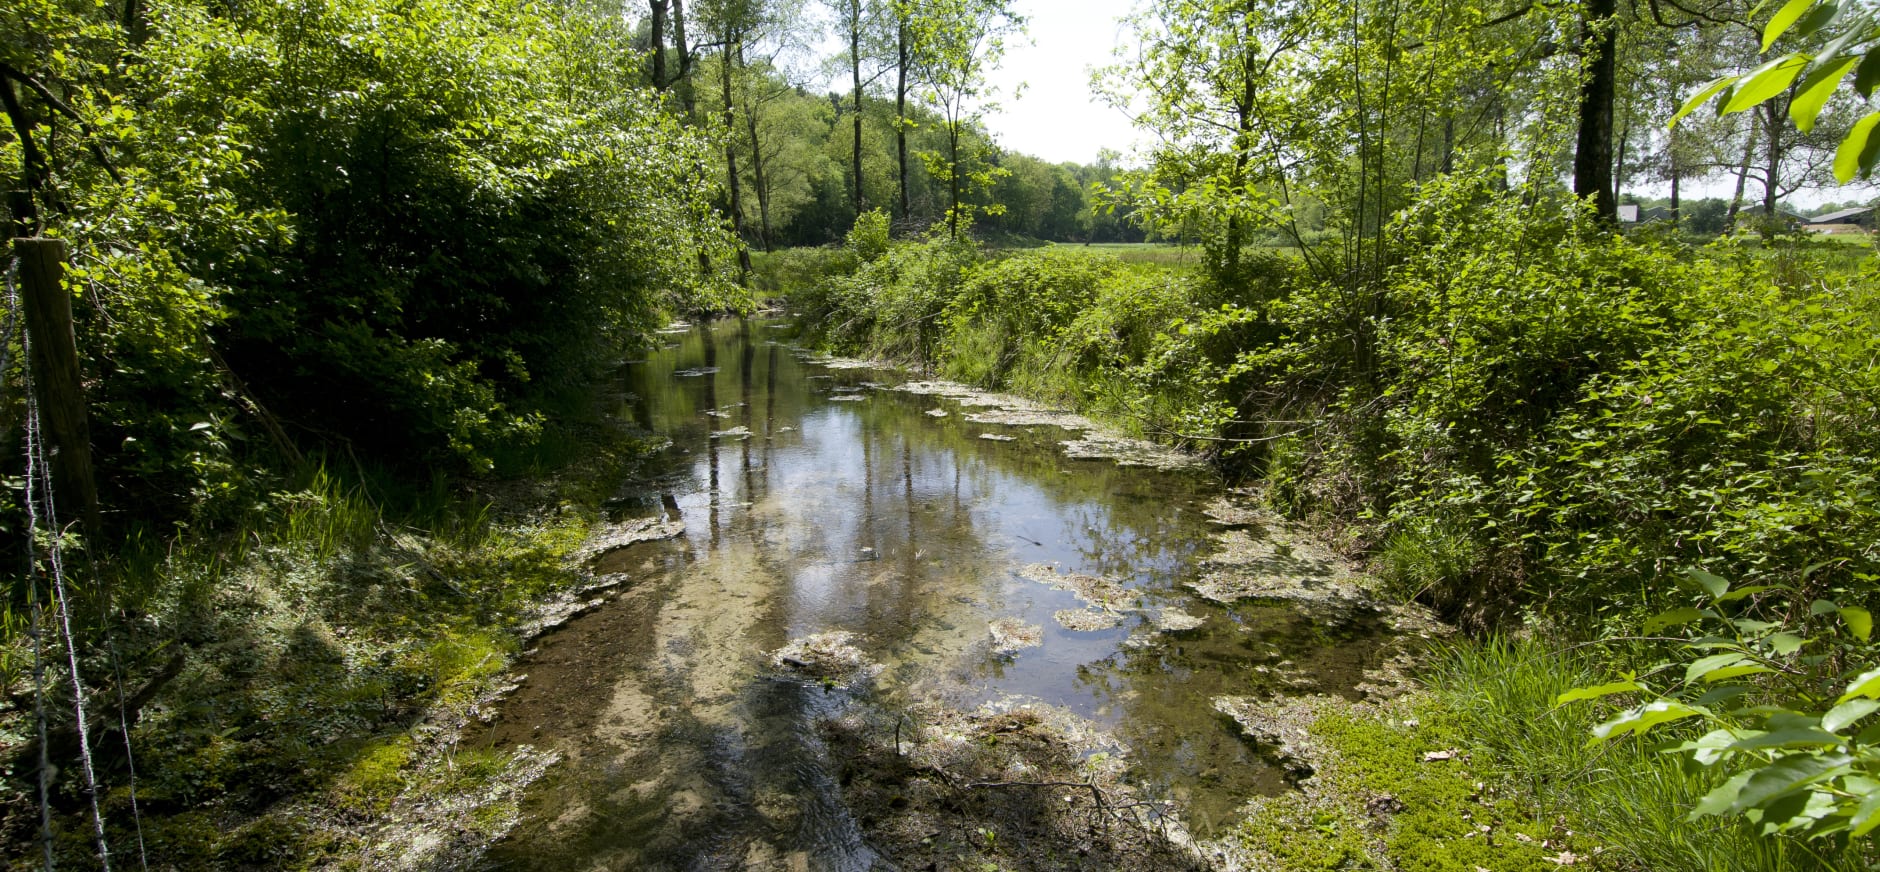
column 1055, row 116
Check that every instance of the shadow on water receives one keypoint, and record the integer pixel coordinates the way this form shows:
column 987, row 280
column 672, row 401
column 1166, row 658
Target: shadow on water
column 813, row 501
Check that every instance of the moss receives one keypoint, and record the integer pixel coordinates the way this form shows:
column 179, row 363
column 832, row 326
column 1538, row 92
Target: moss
column 1375, row 802
column 272, row 841
column 376, row 775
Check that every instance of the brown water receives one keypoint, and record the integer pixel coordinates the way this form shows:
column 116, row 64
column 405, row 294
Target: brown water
column 849, row 507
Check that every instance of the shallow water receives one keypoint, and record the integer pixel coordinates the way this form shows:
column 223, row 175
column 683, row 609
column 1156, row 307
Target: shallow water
column 817, row 499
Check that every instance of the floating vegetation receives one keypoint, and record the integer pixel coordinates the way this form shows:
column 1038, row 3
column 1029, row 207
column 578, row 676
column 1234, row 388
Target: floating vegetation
column 613, row 537
column 1097, row 592
column 1086, row 620
column 738, row 432
column 1277, row 566
column 994, row 437
column 1011, row 635
column 1229, row 512
column 1130, row 452
column 1025, row 415
column 1175, row 621
column 825, row 656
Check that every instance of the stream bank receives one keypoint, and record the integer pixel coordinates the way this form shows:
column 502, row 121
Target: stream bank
column 882, row 634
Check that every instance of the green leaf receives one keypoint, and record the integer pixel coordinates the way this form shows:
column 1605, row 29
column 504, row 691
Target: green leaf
column 1815, row 91
column 1642, row 719
column 1786, row 775
column 1722, row 798
column 1766, row 81
column 1708, row 749
column 1673, row 618
column 1711, row 584
column 1866, row 684
column 1785, row 643
column 1851, row 157
column 1797, row 811
column 1795, row 738
column 1580, row 693
column 1705, row 665
column 1821, row 607
column 1841, row 716
column 1724, row 693
column 1752, row 590
column 1784, row 19
column 1868, row 73
column 1859, row 621
column 1735, row 672
column 1866, row 817
column 1702, row 97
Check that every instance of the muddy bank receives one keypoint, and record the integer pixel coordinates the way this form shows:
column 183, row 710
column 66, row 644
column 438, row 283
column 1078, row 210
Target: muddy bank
column 859, row 560
column 1020, row 787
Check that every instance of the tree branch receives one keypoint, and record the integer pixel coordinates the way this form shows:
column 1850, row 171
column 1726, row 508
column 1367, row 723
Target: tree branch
column 91, row 133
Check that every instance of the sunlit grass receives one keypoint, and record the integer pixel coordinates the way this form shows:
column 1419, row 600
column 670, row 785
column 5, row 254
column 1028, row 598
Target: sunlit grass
column 1633, row 798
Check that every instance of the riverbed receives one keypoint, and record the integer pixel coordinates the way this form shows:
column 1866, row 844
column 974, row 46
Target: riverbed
column 971, row 552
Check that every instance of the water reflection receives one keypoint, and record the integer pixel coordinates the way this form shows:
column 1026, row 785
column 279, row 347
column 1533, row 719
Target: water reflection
column 814, row 502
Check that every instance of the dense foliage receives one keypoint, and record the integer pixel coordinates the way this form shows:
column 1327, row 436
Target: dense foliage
column 389, row 235
column 1525, row 415
column 391, row 230
column 395, row 235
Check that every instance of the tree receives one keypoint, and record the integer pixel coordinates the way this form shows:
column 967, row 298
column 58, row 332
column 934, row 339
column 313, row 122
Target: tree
column 955, row 42
column 1843, row 39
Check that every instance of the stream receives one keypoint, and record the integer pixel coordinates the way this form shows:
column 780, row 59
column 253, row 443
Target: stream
column 819, row 496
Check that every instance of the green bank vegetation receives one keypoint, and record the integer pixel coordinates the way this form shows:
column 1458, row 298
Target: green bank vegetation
column 343, row 270
column 1648, row 457
column 340, row 272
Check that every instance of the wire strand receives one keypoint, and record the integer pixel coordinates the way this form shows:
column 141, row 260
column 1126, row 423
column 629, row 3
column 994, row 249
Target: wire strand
column 45, row 509
column 32, row 585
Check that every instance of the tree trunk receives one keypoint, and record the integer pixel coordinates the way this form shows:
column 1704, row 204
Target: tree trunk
column 136, row 23
column 56, row 380
column 1501, row 154
column 1772, row 116
column 1677, row 219
column 683, row 80
column 731, row 157
column 758, row 179
column 659, row 44
column 1742, row 172
column 953, row 179
column 855, row 68
column 1618, row 163
column 900, row 106
column 1592, row 155
column 1676, row 172
column 22, row 201
column 1449, row 144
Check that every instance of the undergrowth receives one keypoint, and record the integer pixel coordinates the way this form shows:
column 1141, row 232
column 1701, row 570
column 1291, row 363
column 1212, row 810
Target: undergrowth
column 317, row 653
column 1516, row 415
column 1485, row 771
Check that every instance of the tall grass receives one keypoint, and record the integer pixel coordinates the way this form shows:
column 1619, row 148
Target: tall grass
column 1632, row 797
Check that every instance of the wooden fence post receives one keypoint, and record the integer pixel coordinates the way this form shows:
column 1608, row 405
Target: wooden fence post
column 59, row 388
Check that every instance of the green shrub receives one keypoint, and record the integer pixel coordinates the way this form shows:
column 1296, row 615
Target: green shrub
column 868, row 240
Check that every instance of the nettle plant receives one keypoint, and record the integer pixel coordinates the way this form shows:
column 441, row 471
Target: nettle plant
column 1788, row 710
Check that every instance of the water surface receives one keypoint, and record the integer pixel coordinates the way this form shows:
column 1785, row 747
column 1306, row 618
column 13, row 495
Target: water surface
column 816, row 499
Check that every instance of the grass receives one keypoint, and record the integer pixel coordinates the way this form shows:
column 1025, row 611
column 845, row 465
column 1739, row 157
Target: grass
column 1629, row 797
column 1525, row 787
column 318, row 640
column 1163, row 253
